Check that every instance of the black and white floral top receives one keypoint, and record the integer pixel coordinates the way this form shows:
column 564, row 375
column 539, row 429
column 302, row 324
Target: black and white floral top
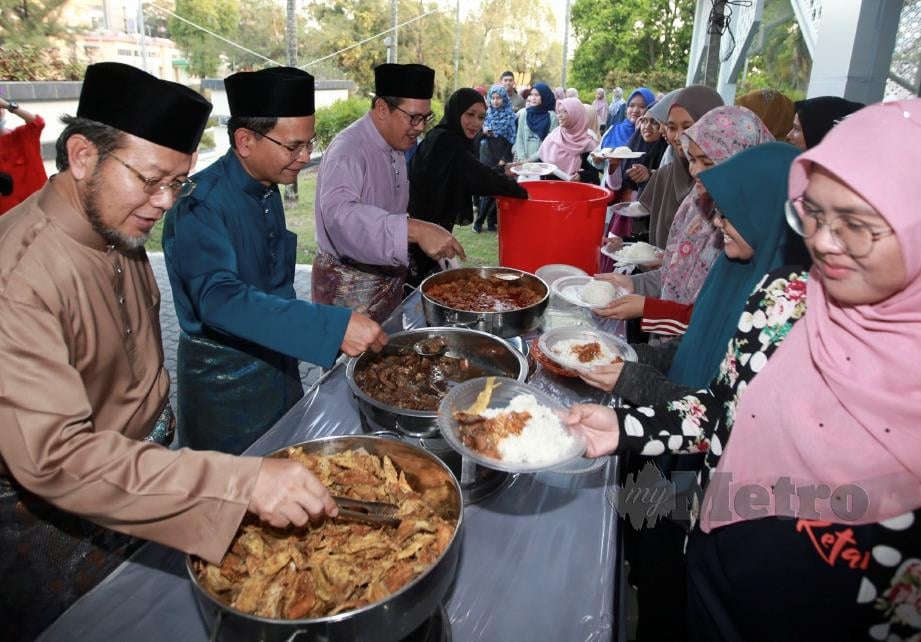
column 883, row 560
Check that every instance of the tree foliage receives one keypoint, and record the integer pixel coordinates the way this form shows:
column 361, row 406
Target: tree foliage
column 782, row 61
column 336, row 24
column 203, row 50
column 636, row 37
column 28, row 62
column 29, row 22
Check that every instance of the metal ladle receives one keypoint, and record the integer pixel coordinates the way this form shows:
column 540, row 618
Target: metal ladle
column 422, row 347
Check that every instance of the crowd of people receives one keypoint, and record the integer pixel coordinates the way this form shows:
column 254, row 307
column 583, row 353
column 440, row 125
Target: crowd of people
column 774, row 341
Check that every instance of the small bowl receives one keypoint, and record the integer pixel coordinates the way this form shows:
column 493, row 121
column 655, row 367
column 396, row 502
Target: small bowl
column 462, row 397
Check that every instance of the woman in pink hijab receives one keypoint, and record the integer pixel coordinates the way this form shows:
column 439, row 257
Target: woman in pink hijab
column 568, row 145
column 810, row 526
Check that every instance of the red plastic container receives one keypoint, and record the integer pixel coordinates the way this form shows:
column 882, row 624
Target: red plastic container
column 561, row 222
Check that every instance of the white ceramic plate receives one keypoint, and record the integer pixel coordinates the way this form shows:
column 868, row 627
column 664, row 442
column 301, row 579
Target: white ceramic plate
column 619, row 257
column 569, row 288
column 533, row 169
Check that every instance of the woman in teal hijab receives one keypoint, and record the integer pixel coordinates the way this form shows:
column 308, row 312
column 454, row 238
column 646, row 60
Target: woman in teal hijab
column 749, row 191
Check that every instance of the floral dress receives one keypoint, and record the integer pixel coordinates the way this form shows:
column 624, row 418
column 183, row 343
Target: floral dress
column 827, row 580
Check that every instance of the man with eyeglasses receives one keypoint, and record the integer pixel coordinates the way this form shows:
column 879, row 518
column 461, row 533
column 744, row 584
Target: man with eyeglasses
column 84, row 394
column 231, row 266
column 363, row 230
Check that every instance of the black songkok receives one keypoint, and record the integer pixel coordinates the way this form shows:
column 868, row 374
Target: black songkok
column 160, row 111
column 404, row 81
column 277, row 92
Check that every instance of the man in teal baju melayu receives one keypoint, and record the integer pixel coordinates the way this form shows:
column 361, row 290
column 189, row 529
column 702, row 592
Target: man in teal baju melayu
column 231, row 266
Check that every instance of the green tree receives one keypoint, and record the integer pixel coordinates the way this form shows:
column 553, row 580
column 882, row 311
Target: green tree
column 779, row 59
column 261, row 29
column 30, row 22
column 204, row 50
column 637, row 36
column 519, row 35
column 337, row 24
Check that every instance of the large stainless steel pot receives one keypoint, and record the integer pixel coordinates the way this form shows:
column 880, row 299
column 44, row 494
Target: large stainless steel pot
column 486, row 352
column 504, row 324
column 387, row 621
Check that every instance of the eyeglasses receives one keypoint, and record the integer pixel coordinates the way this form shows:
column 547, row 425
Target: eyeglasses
column 854, row 238
column 157, row 186
column 415, row 119
column 294, row 150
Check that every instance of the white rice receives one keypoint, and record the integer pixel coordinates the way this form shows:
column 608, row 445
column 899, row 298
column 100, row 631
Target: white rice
column 563, row 351
column 543, row 437
column 639, row 251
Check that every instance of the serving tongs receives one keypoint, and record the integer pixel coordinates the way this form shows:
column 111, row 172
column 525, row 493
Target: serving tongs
column 368, row 512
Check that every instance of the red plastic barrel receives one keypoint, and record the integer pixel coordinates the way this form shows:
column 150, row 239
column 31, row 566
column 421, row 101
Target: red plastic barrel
column 561, row 222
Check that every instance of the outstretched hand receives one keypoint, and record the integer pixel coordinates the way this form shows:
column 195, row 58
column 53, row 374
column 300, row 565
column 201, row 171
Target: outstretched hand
column 598, row 424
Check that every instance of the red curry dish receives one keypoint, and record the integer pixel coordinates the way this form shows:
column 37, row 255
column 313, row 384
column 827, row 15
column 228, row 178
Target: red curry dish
column 477, row 294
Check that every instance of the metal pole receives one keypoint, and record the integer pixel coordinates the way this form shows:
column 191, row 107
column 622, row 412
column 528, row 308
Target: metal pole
column 291, row 38
column 714, row 31
column 565, row 44
column 456, row 45
column 393, row 25
column 142, row 30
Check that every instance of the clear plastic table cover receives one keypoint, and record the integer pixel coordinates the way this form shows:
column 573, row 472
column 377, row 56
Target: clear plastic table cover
column 539, row 562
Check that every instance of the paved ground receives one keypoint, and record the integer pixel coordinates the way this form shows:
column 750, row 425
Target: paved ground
column 170, row 325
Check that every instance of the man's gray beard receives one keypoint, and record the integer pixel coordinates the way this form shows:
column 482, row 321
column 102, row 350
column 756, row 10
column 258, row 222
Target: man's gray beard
column 112, row 236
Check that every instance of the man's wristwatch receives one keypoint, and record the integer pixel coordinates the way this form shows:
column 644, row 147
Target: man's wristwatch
column 12, row 105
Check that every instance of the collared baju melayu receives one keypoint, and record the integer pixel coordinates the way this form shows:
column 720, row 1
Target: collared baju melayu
column 82, row 385
column 361, row 220
column 231, row 266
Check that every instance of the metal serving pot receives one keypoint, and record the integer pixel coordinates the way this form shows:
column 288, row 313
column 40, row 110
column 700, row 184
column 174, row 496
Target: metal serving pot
column 390, row 620
column 486, row 352
column 504, row 324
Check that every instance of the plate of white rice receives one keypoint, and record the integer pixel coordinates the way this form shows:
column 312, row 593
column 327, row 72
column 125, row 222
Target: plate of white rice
column 567, row 347
column 542, row 444
column 586, row 292
column 635, row 254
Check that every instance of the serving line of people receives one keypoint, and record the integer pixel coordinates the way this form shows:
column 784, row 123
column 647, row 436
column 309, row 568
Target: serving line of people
column 85, row 470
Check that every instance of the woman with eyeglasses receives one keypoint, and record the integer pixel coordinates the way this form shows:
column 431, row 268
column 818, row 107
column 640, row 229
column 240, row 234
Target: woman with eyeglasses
column 446, row 174
column 810, row 523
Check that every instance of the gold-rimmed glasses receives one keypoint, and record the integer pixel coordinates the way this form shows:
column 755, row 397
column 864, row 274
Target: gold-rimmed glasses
column 852, row 236
column 179, row 188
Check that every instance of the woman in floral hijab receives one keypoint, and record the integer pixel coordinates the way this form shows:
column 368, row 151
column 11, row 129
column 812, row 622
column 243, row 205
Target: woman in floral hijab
column 694, row 243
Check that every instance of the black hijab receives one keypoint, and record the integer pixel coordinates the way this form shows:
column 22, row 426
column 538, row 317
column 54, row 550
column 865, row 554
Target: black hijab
column 818, row 115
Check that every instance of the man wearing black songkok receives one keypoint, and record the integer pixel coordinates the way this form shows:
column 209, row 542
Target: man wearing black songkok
column 363, row 232
column 231, row 266
column 84, row 394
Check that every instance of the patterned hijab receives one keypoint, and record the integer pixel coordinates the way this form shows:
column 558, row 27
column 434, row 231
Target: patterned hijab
column 565, row 145
column 693, row 242
column 500, row 121
column 837, row 404
column 538, row 118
